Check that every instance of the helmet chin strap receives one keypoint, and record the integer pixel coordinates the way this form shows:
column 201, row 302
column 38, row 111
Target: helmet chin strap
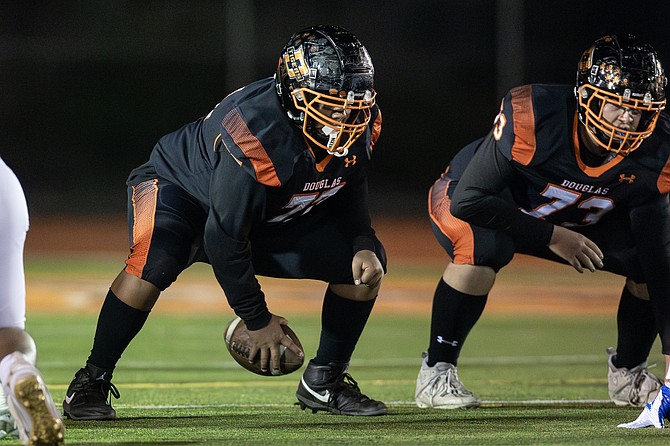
column 333, row 135
column 339, row 152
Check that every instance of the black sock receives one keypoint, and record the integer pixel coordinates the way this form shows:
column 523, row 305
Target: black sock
column 454, row 314
column 342, row 322
column 636, row 331
column 118, row 323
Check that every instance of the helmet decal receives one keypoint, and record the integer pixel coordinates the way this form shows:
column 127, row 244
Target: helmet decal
column 295, row 63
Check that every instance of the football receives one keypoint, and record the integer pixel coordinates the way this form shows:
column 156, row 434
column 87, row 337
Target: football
column 239, row 344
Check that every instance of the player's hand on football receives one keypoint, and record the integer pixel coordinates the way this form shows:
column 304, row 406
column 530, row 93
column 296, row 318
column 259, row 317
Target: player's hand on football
column 268, row 341
column 576, row 249
column 367, row 269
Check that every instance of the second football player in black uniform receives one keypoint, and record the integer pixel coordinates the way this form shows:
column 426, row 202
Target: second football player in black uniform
column 271, row 182
column 579, row 175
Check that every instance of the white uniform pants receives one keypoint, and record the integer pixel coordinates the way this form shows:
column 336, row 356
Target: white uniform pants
column 13, row 229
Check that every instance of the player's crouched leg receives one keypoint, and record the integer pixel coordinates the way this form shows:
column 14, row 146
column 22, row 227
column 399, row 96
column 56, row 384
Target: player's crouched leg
column 325, row 384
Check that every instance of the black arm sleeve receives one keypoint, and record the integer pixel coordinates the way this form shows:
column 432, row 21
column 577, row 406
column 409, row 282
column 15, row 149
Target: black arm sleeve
column 477, row 198
column 237, row 201
column 352, row 205
column 650, row 225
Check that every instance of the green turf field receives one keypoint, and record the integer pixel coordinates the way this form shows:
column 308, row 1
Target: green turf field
column 542, row 379
column 541, row 373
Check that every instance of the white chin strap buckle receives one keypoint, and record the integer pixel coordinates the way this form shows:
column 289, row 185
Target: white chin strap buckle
column 333, row 135
column 339, row 152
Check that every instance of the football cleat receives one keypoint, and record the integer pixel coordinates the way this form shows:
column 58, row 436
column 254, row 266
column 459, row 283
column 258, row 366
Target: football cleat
column 438, row 387
column 36, row 417
column 88, row 396
column 332, row 389
column 631, row 387
column 654, row 413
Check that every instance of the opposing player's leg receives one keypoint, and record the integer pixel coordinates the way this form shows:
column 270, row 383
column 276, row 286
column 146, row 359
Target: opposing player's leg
column 654, row 413
column 316, row 249
column 165, row 225
column 26, row 407
column 35, row 415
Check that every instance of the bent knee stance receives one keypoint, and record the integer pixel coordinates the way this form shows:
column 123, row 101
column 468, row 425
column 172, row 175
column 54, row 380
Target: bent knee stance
column 466, row 244
column 160, row 272
column 166, row 226
column 473, row 245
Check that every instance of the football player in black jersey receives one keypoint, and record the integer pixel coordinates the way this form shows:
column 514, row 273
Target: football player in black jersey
column 271, row 182
column 576, row 174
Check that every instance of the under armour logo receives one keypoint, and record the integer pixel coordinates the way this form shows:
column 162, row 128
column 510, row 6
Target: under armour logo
column 629, row 179
column 351, row 161
column 441, row 340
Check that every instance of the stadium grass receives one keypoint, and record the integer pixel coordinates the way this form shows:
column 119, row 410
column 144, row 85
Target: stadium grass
column 542, row 380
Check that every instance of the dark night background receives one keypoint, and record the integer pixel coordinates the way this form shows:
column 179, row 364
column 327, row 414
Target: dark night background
column 89, row 86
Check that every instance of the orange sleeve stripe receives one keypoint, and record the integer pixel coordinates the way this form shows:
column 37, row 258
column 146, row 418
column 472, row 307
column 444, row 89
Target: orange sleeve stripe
column 252, row 148
column 144, row 214
column 459, row 232
column 524, row 145
column 663, row 182
column 376, row 129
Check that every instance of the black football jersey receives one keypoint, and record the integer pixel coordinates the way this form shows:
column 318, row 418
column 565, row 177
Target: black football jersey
column 250, row 168
column 533, row 151
column 537, row 130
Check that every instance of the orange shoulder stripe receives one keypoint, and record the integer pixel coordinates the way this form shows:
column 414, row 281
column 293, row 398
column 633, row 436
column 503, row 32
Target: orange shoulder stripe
column 252, row 148
column 663, row 182
column 524, row 125
column 376, row 128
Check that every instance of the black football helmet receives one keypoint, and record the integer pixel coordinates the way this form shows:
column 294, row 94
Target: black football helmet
column 323, row 69
column 625, row 73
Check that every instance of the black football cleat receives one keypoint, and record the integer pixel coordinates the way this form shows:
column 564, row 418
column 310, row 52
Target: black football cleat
column 332, row 389
column 88, row 396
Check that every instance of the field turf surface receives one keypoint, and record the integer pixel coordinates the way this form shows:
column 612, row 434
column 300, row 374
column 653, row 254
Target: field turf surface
column 536, row 358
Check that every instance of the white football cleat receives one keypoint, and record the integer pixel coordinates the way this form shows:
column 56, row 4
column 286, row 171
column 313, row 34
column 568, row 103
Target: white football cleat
column 35, row 414
column 438, row 387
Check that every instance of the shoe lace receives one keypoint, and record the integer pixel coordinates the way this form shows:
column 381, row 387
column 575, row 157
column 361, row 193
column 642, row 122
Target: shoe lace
column 110, row 390
column 347, row 386
column 106, row 388
column 639, row 379
column 448, row 382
